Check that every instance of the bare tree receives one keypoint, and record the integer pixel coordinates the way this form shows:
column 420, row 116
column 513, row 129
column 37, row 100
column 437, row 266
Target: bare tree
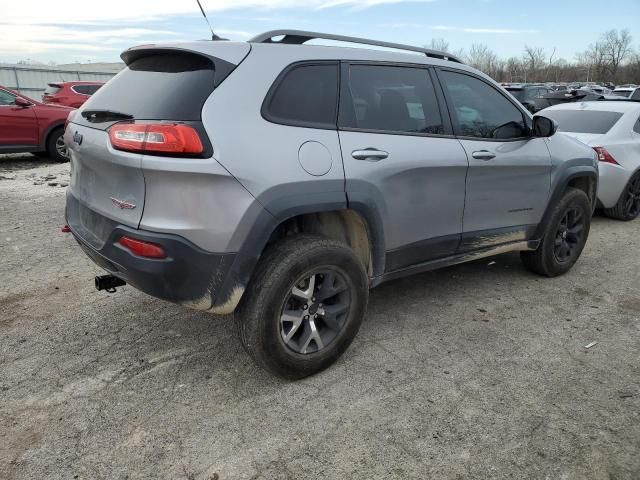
column 534, row 60
column 616, row 48
column 439, row 44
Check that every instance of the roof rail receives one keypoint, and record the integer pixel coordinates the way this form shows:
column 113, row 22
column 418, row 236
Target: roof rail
column 298, row 37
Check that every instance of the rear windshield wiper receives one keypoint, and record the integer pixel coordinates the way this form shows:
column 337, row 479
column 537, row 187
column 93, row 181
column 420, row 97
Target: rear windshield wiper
column 97, row 116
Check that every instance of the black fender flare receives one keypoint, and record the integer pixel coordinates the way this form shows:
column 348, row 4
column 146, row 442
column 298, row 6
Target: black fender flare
column 560, row 187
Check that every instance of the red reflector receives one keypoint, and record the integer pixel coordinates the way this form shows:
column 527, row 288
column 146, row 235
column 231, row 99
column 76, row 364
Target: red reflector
column 65, row 229
column 142, row 248
column 171, row 138
column 605, row 156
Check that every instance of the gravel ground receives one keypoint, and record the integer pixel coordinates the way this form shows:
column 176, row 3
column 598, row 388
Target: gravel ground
column 475, row 371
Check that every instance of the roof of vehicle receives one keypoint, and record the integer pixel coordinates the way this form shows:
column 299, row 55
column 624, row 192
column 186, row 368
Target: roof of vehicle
column 625, row 89
column 602, row 105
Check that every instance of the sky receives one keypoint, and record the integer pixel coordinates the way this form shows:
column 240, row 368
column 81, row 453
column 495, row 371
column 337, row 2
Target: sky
column 67, row 31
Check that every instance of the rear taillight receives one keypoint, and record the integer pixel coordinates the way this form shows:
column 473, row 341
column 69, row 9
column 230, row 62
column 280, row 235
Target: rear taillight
column 166, row 138
column 142, row 248
column 605, row 156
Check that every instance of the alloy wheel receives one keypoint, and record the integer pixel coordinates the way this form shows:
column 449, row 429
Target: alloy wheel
column 61, row 147
column 632, row 198
column 569, row 235
column 315, row 311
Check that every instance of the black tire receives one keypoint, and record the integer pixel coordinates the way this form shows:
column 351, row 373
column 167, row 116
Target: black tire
column 261, row 312
column 552, row 259
column 628, row 206
column 52, row 150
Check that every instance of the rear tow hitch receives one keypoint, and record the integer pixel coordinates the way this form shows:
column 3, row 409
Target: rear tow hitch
column 108, row 283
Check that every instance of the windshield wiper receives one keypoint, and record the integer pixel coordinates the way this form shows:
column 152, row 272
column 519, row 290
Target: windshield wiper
column 97, row 116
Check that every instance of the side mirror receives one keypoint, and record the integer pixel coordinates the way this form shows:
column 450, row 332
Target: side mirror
column 544, row 127
column 21, row 102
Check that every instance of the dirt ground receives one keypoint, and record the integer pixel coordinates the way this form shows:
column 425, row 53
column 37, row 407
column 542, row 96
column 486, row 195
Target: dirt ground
column 475, row 371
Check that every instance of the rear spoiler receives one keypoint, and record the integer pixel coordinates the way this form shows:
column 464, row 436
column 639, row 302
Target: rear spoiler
column 56, row 85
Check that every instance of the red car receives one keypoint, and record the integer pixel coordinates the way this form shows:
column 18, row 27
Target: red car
column 71, row 94
column 27, row 125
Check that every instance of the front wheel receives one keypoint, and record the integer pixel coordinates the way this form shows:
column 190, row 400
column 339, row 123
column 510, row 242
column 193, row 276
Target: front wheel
column 56, row 148
column 564, row 238
column 303, row 307
column 628, row 206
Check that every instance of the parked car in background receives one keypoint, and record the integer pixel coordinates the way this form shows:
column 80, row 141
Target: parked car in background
column 612, row 129
column 71, row 94
column 565, row 96
column 408, row 164
column 631, row 93
column 527, row 94
column 27, row 125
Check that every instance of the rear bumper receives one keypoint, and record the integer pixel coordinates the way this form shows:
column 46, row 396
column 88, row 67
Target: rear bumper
column 613, row 179
column 189, row 275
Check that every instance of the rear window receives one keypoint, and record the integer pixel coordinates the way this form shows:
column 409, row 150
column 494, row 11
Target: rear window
column 621, row 93
column 52, row 89
column 167, row 86
column 580, row 121
column 86, row 89
column 306, row 96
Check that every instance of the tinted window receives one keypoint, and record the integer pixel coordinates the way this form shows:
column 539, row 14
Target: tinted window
column 480, row 109
column 636, row 95
column 7, row 98
column 580, row 121
column 307, row 95
column 159, row 87
column 393, row 99
column 518, row 93
column 636, row 127
column 622, row 93
column 86, row 89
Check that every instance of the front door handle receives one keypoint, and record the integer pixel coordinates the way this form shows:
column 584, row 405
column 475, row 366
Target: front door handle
column 370, row 154
column 483, row 155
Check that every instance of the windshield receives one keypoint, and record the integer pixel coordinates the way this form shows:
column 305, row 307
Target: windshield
column 622, row 93
column 580, row 121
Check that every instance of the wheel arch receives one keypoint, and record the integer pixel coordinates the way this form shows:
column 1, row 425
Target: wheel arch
column 47, row 133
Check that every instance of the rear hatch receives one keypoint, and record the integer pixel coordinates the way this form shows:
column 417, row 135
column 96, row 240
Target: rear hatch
column 159, row 85
column 50, row 92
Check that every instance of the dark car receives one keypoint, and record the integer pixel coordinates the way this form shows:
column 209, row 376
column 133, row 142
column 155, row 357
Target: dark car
column 527, row 95
column 565, row 96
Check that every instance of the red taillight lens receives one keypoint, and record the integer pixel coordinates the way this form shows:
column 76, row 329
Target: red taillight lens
column 169, row 138
column 142, row 248
column 605, row 156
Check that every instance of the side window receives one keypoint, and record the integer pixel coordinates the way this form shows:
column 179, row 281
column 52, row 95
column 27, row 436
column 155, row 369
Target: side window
column 636, row 127
column 82, row 89
column 91, row 89
column 480, row 110
column 636, row 94
column 390, row 99
column 7, row 98
column 306, row 96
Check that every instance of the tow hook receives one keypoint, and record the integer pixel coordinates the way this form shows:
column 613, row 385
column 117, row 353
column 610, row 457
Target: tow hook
column 109, row 283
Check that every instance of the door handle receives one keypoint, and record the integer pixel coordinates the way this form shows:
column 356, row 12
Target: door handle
column 370, row 154
column 483, row 155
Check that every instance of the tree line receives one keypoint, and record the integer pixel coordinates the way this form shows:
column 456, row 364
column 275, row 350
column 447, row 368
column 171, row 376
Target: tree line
column 610, row 59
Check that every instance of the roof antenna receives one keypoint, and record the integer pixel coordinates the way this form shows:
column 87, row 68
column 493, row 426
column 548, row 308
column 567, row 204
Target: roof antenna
column 214, row 37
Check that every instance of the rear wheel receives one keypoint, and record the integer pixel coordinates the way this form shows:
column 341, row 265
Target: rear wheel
column 564, row 238
column 303, row 307
column 628, row 206
column 56, row 148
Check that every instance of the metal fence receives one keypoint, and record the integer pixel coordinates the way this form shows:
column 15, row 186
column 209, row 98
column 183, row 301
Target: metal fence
column 32, row 80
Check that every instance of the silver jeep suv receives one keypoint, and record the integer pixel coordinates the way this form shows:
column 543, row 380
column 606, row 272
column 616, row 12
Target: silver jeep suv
column 283, row 181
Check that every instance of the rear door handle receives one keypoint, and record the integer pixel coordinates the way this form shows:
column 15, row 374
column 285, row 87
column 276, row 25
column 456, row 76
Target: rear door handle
column 370, row 154
column 483, row 155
